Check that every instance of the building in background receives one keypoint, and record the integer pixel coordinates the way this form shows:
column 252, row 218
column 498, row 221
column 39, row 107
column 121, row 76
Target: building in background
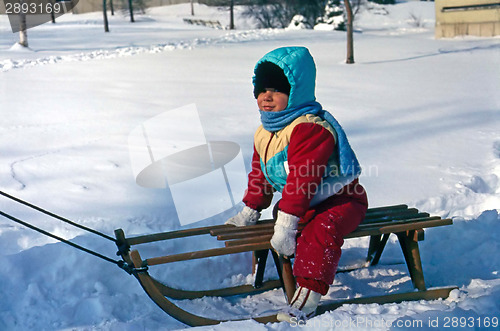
column 86, row 6
column 467, row 17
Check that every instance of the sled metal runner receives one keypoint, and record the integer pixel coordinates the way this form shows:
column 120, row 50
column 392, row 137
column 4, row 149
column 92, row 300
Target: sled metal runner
column 407, row 224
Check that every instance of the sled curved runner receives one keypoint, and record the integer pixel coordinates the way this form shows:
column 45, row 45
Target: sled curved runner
column 406, row 223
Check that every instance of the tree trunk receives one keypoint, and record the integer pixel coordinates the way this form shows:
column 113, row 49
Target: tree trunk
column 131, row 9
column 350, row 42
column 112, row 7
column 192, row 8
column 23, row 34
column 105, row 16
column 231, row 15
column 52, row 15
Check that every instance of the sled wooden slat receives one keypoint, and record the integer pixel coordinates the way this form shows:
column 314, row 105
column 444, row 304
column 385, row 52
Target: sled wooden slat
column 249, row 240
column 268, row 225
column 386, row 208
column 172, row 235
column 430, row 222
column 392, row 216
column 362, row 231
column 244, row 234
column 389, row 213
column 418, row 217
column 206, row 253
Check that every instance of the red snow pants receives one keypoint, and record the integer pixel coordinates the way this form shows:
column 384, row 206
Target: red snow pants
column 319, row 244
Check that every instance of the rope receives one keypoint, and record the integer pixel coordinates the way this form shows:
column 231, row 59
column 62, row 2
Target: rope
column 12, row 218
column 120, row 263
column 57, row 216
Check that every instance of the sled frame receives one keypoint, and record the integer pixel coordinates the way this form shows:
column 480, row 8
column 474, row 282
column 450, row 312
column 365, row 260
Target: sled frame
column 407, row 224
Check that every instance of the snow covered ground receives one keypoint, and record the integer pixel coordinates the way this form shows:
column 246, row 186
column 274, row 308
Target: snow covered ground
column 422, row 114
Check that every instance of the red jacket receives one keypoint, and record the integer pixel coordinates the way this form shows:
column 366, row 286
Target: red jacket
column 310, row 147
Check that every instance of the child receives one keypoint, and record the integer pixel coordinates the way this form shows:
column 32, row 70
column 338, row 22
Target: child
column 301, row 151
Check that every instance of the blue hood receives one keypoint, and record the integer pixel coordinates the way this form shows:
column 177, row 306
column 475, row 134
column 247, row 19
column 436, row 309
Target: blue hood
column 298, row 66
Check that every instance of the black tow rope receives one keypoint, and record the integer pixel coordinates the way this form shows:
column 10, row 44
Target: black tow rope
column 56, row 216
column 120, row 263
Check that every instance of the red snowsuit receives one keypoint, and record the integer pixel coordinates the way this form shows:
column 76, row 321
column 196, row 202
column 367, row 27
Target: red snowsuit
column 310, row 147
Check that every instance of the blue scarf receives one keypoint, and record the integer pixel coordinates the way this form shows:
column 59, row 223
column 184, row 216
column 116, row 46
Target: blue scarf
column 275, row 121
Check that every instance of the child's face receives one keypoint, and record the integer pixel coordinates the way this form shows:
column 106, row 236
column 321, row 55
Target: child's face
column 272, row 100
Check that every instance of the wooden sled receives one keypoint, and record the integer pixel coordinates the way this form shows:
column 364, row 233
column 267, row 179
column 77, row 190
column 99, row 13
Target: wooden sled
column 407, row 224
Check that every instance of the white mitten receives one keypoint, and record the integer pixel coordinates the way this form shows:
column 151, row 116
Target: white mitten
column 247, row 216
column 285, row 232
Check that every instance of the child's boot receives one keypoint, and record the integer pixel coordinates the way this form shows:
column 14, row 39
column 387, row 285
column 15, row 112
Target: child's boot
column 302, row 306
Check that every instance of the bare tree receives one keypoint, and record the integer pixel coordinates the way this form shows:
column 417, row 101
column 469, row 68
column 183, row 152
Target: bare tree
column 52, row 15
column 350, row 41
column 23, row 34
column 131, row 10
column 279, row 13
column 105, row 16
column 272, row 15
column 231, row 15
